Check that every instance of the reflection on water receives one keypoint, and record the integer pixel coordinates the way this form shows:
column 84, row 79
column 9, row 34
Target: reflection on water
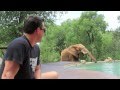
column 112, row 68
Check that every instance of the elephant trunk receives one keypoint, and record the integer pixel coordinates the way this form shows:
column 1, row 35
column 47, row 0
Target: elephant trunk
column 92, row 57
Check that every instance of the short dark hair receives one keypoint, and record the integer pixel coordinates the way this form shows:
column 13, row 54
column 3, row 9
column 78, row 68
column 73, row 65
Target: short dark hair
column 32, row 23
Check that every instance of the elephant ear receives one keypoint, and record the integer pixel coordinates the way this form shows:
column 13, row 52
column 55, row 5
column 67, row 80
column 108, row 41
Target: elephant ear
column 73, row 51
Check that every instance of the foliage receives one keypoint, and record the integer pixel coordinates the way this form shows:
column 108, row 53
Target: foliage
column 106, row 45
column 116, row 43
column 12, row 22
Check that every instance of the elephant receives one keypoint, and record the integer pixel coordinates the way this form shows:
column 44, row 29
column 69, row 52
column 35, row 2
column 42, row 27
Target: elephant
column 73, row 53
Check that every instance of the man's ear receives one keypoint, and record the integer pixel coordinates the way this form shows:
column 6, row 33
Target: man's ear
column 38, row 30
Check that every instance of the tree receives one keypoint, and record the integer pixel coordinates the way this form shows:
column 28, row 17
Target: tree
column 90, row 27
column 12, row 21
column 116, row 43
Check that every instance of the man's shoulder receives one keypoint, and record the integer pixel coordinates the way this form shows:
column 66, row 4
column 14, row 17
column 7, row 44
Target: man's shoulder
column 18, row 41
column 36, row 46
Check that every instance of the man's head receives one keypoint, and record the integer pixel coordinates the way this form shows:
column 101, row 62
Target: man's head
column 34, row 25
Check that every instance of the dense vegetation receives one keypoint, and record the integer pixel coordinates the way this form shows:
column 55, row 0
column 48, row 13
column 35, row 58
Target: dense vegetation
column 90, row 29
column 11, row 23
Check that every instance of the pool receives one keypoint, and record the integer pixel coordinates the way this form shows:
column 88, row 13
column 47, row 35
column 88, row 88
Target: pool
column 111, row 67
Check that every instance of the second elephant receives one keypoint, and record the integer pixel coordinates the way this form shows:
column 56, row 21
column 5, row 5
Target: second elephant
column 73, row 52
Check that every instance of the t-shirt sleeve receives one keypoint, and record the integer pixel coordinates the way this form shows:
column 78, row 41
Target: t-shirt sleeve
column 15, row 52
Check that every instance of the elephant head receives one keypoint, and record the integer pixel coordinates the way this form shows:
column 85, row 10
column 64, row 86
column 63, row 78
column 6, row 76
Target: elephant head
column 76, row 49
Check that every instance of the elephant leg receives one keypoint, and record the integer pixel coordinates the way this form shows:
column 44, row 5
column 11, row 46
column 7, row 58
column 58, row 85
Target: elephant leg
column 65, row 56
column 71, row 58
column 76, row 59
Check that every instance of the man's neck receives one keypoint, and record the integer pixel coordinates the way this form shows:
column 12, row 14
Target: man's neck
column 31, row 39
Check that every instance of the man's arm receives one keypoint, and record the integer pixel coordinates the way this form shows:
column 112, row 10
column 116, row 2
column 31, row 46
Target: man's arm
column 10, row 70
column 37, row 73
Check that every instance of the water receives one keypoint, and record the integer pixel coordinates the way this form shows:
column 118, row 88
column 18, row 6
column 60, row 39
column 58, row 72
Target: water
column 112, row 68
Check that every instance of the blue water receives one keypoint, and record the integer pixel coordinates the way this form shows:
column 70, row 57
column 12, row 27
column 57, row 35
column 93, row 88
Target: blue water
column 111, row 67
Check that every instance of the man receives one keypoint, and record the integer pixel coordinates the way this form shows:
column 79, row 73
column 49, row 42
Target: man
column 21, row 60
